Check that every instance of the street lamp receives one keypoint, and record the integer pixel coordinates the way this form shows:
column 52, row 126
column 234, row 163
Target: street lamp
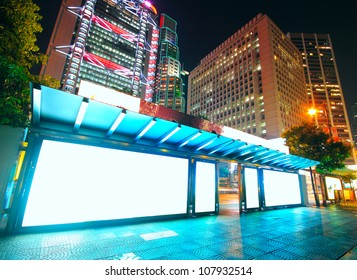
column 313, row 112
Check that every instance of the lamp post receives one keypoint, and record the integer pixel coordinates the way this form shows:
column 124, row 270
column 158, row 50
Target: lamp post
column 313, row 112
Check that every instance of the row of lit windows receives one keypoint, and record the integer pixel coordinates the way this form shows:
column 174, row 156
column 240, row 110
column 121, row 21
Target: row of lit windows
column 121, row 14
column 96, row 74
column 221, row 67
column 113, row 55
column 215, row 69
column 227, row 55
column 109, row 38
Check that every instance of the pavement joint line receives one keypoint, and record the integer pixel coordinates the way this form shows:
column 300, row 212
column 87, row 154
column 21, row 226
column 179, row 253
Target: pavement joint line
column 348, row 252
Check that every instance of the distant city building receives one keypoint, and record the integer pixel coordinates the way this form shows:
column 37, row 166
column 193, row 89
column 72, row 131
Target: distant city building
column 323, row 85
column 169, row 84
column 114, row 43
column 254, row 82
column 61, row 35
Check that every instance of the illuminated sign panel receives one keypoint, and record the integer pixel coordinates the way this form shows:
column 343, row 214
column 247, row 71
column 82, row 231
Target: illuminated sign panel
column 332, row 184
column 205, row 196
column 77, row 183
column 281, row 188
column 251, row 187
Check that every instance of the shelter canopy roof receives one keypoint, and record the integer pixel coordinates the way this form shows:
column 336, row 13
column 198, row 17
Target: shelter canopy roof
column 132, row 120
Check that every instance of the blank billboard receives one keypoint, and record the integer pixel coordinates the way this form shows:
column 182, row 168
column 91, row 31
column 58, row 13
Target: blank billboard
column 205, row 196
column 76, row 183
column 251, row 188
column 281, row 188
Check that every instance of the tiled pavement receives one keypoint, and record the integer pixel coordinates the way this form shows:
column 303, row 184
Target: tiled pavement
column 303, row 233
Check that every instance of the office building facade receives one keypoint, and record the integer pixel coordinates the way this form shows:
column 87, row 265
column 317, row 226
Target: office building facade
column 324, row 87
column 323, row 84
column 113, row 43
column 169, row 85
column 254, row 82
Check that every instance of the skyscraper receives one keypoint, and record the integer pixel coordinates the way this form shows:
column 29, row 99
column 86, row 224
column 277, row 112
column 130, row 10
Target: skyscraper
column 323, row 85
column 169, row 85
column 61, row 35
column 115, row 43
column 254, row 82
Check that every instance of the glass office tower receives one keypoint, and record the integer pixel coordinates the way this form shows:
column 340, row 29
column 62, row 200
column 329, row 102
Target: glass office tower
column 120, row 44
column 169, row 84
column 254, row 82
column 109, row 45
column 323, row 85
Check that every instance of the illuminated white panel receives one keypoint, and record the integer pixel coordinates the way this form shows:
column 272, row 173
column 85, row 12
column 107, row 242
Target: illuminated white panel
column 205, row 197
column 332, row 184
column 276, row 144
column 77, row 183
column 251, row 187
column 109, row 96
column 281, row 188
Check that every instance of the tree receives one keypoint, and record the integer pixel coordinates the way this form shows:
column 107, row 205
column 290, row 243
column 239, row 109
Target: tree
column 47, row 80
column 311, row 142
column 19, row 23
column 14, row 94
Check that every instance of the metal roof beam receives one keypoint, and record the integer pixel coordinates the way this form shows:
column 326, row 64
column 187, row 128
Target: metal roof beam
column 169, row 134
column 270, row 154
column 116, row 123
column 146, row 128
column 269, row 160
column 245, row 150
column 221, row 146
column 81, row 113
column 242, row 144
column 189, row 138
column 254, row 154
column 206, row 143
column 278, row 162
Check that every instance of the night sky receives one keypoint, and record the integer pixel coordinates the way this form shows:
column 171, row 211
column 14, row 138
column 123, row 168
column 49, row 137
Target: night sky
column 202, row 26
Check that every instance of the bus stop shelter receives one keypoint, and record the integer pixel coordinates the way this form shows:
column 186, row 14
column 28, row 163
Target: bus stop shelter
column 104, row 157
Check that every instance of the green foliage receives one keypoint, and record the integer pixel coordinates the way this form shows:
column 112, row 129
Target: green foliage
column 348, row 177
column 311, row 142
column 14, row 94
column 19, row 23
column 47, row 80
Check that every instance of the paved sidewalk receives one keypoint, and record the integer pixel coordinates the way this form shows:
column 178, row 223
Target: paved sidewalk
column 303, row 233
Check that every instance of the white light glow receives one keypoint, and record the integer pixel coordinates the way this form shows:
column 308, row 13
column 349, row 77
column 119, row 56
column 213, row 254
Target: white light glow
column 251, row 187
column 281, row 188
column 275, row 144
column 77, row 183
column 205, row 197
column 109, row 96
